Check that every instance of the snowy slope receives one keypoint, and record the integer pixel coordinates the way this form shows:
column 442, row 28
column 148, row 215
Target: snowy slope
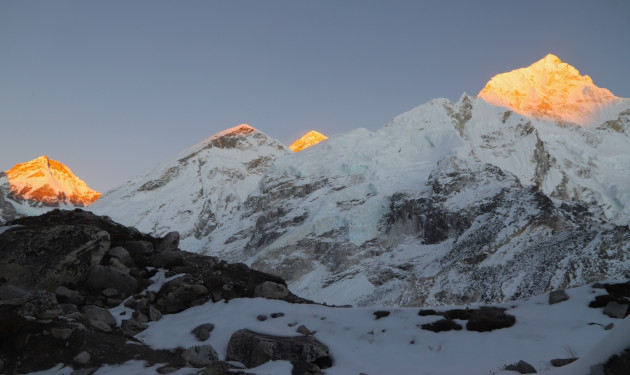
column 199, row 191
column 396, row 344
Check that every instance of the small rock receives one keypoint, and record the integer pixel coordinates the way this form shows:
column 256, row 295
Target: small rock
column 277, row 315
column 200, row 356
column 558, row 296
column 271, row 290
column 305, row 331
column 202, row 332
column 559, row 362
column 522, row 367
column 61, row 333
column 609, row 326
column 616, row 310
column 380, row 314
column 99, row 325
column 261, row 317
column 140, row 317
column 50, row 313
column 82, row 358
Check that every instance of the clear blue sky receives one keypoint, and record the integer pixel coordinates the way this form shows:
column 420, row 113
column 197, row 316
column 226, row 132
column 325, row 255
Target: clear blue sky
column 110, row 88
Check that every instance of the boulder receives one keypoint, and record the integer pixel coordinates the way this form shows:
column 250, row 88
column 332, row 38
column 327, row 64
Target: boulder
column 101, row 278
column 202, row 332
column 489, row 318
column 521, row 367
column 82, row 358
column 140, row 251
column 616, row 310
column 558, row 296
column 253, row 349
column 170, row 242
column 200, row 356
column 69, row 296
column 271, row 290
column 179, row 294
column 121, row 254
column 559, row 362
column 9, row 292
column 95, row 315
column 132, row 327
column 442, row 325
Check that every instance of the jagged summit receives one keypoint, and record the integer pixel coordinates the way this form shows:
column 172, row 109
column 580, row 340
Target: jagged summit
column 50, row 183
column 550, row 89
column 309, row 139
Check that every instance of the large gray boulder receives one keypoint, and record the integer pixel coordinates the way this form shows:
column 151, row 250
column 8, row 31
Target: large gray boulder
column 253, row 349
column 200, row 356
column 179, row 294
column 101, row 278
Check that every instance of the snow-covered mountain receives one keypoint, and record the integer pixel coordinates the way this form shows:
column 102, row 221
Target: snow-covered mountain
column 35, row 186
column 448, row 203
column 200, row 191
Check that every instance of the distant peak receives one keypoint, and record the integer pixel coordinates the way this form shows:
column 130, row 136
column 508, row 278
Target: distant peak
column 49, row 182
column 242, row 129
column 309, row 139
column 549, row 89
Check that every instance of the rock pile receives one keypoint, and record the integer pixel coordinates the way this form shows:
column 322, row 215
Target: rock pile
column 61, row 273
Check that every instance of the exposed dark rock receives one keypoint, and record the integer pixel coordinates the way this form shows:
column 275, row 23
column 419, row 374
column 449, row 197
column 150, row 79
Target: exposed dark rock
column 101, row 278
column 521, row 367
column 82, row 358
column 253, row 349
column 488, row 319
column 202, row 332
column 68, row 295
column 305, row 331
column 168, row 258
column 140, row 251
column 558, row 296
column 95, row 314
column 179, row 294
column 132, row 326
column 261, row 317
column 200, row 356
column 442, row 325
column 271, row 290
column 616, row 310
column 618, row 364
column 559, row 362
column 9, row 292
column 380, row 314
column 170, row 242
column 121, row 254
column 277, row 315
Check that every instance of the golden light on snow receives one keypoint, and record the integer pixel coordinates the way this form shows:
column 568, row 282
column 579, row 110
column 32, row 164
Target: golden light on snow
column 549, row 89
column 309, row 139
column 50, row 182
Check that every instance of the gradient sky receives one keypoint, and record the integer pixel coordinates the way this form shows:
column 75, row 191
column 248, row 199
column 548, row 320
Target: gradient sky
column 110, row 88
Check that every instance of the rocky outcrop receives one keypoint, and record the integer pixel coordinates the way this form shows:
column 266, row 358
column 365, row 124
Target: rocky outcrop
column 62, row 271
column 254, row 349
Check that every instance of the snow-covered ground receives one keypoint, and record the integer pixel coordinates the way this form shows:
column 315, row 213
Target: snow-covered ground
column 396, row 344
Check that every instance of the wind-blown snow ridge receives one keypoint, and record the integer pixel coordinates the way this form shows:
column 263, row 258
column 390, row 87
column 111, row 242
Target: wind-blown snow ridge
column 551, row 89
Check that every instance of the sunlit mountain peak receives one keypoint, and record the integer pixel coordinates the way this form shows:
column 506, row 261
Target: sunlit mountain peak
column 549, row 89
column 49, row 182
column 309, row 139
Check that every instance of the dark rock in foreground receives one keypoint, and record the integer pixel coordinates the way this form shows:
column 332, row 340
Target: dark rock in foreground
column 61, row 271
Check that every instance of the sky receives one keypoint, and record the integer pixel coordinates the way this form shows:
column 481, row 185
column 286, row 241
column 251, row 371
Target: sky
column 111, row 88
